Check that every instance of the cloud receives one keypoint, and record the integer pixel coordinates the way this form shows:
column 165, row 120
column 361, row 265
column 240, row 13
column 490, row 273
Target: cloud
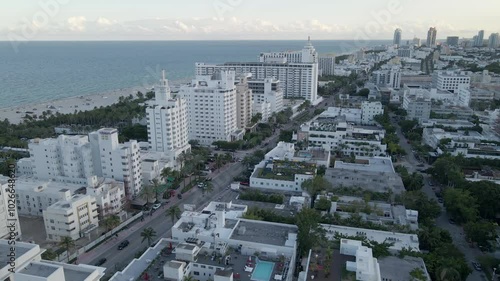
column 105, row 22
column 77, row 23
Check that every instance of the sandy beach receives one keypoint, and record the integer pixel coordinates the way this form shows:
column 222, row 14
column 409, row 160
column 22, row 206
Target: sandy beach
column 68, row 105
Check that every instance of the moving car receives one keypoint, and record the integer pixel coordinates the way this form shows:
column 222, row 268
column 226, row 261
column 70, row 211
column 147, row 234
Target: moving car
column 100, row 262
column 179, row 196
column 156, row 206
column 123, row 244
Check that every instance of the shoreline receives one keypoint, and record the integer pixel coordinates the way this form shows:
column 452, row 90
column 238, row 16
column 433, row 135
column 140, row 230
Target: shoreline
column 67, row 105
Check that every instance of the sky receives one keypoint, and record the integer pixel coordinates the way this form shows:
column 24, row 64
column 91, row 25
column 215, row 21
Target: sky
column 243, row 19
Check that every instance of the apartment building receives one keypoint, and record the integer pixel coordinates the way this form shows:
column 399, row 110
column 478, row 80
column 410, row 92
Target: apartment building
column 244, row 102
column 387, row 78
column 296, row 70
column 117, row 161
column 417, row 104
column 450, row 81
column 212, row 110
column 167, row 122
column 326, row 65
column 9, row 220
column 338, row 136
column 29, row 266
column 269, row 91
column 74, row 217
column 369, row 110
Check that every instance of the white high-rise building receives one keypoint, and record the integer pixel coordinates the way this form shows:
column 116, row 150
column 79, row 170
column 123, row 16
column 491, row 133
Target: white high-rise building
column 211, row 103
column 74, row 217
column 326, row 65
column 449, row 81
column 117, row 161
column 494, row 41
column 267, row 91
column 297, row 71
column 479, row 39
column 464, row 96
column 431, row 37
column 397, row 37
column 167, row 122
column 243, row 102
column 9, row 220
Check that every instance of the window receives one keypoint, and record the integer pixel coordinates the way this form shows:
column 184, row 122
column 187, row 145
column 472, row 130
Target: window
column 196, row 273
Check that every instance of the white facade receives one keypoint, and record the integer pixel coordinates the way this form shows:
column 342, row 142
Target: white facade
column 297, row 71
column 244, row 102
column 29, row 266
column 365, row 266
column 211, row 100
column 464, row 96
column 449, row 81
column 9, row 220
column 268, row 91
column 117, row 161
column 110, row 196
column 167, row 122
column 73, row 218
column 339, row 136
column 326, row 65
column 387, row 78
column 369, row 110
column 417, row 104
column 405, row 52
column 264, row 108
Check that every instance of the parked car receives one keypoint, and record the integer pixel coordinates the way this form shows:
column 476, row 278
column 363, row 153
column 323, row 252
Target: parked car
column 123, row 244
column 477, row 266
column 156, row 206
column 244, row 183
column 451, row 221
column 179, row 196
column 430, row 183
column 440, row 200
column 101, row 262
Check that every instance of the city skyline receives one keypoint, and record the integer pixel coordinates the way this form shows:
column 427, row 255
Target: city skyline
column 240, row 20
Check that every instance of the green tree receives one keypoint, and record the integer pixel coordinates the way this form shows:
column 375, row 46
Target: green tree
column 208, row 188
column 49, row 255
column 148, row 234
column 487, row 195
column 460, row 205
column 111, row 222
column 67, row 243
column 310, row 232
column 417, row 274
column 315, row 185
column 428, row 209
column 256, row 118
column 480, row 232
column 323, row 204
column 147, row 192
column 174, row 213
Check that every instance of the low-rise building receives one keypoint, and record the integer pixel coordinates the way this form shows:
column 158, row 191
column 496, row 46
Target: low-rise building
column 433, row 137
column 337, row 135
column 447, row 123
column 28, row 265
column 376, row 174
column 449, row 80
column 395, row 268
column 369, row 110
column 366, row 266
column 74, row 218
column 417, row 104
column 285, row 170
column 381, row 213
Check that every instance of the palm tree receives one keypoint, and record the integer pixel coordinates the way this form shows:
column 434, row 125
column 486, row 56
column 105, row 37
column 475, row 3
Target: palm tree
column 148, row 234
column 67, row 243
column 188, row 278
column 209, row 187
column 155, row 183
column 174, row 213
column 166, row 173
column 147, row 192
column 111, row 222
column 219, row 161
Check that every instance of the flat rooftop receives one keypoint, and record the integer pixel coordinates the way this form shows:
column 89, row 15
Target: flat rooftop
column 66, row 204
column 368, row 164
column 28, row 183
column 265, row 233
column 39, row 269
column 394, row 268
column 21, row 249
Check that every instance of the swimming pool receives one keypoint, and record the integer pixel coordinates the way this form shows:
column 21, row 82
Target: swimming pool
column 263, row 271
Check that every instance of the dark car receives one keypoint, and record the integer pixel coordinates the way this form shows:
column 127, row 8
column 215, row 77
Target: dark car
column 101, row 262
column 179, row 196
column 477, row 266
column 440, row 200
column 451, row 221
column 123, row 244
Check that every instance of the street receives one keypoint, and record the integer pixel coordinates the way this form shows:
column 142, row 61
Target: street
column 456, row 231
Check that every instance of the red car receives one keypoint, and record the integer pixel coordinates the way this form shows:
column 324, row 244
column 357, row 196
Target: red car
column 244, row 183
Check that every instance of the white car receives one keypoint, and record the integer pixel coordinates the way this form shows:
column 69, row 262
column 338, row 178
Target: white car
column 156, row 206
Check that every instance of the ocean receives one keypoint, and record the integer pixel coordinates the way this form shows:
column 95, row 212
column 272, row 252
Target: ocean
column 45, row 71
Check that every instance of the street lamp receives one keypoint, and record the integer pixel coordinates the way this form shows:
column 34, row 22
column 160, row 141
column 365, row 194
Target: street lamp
column 493, row 276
